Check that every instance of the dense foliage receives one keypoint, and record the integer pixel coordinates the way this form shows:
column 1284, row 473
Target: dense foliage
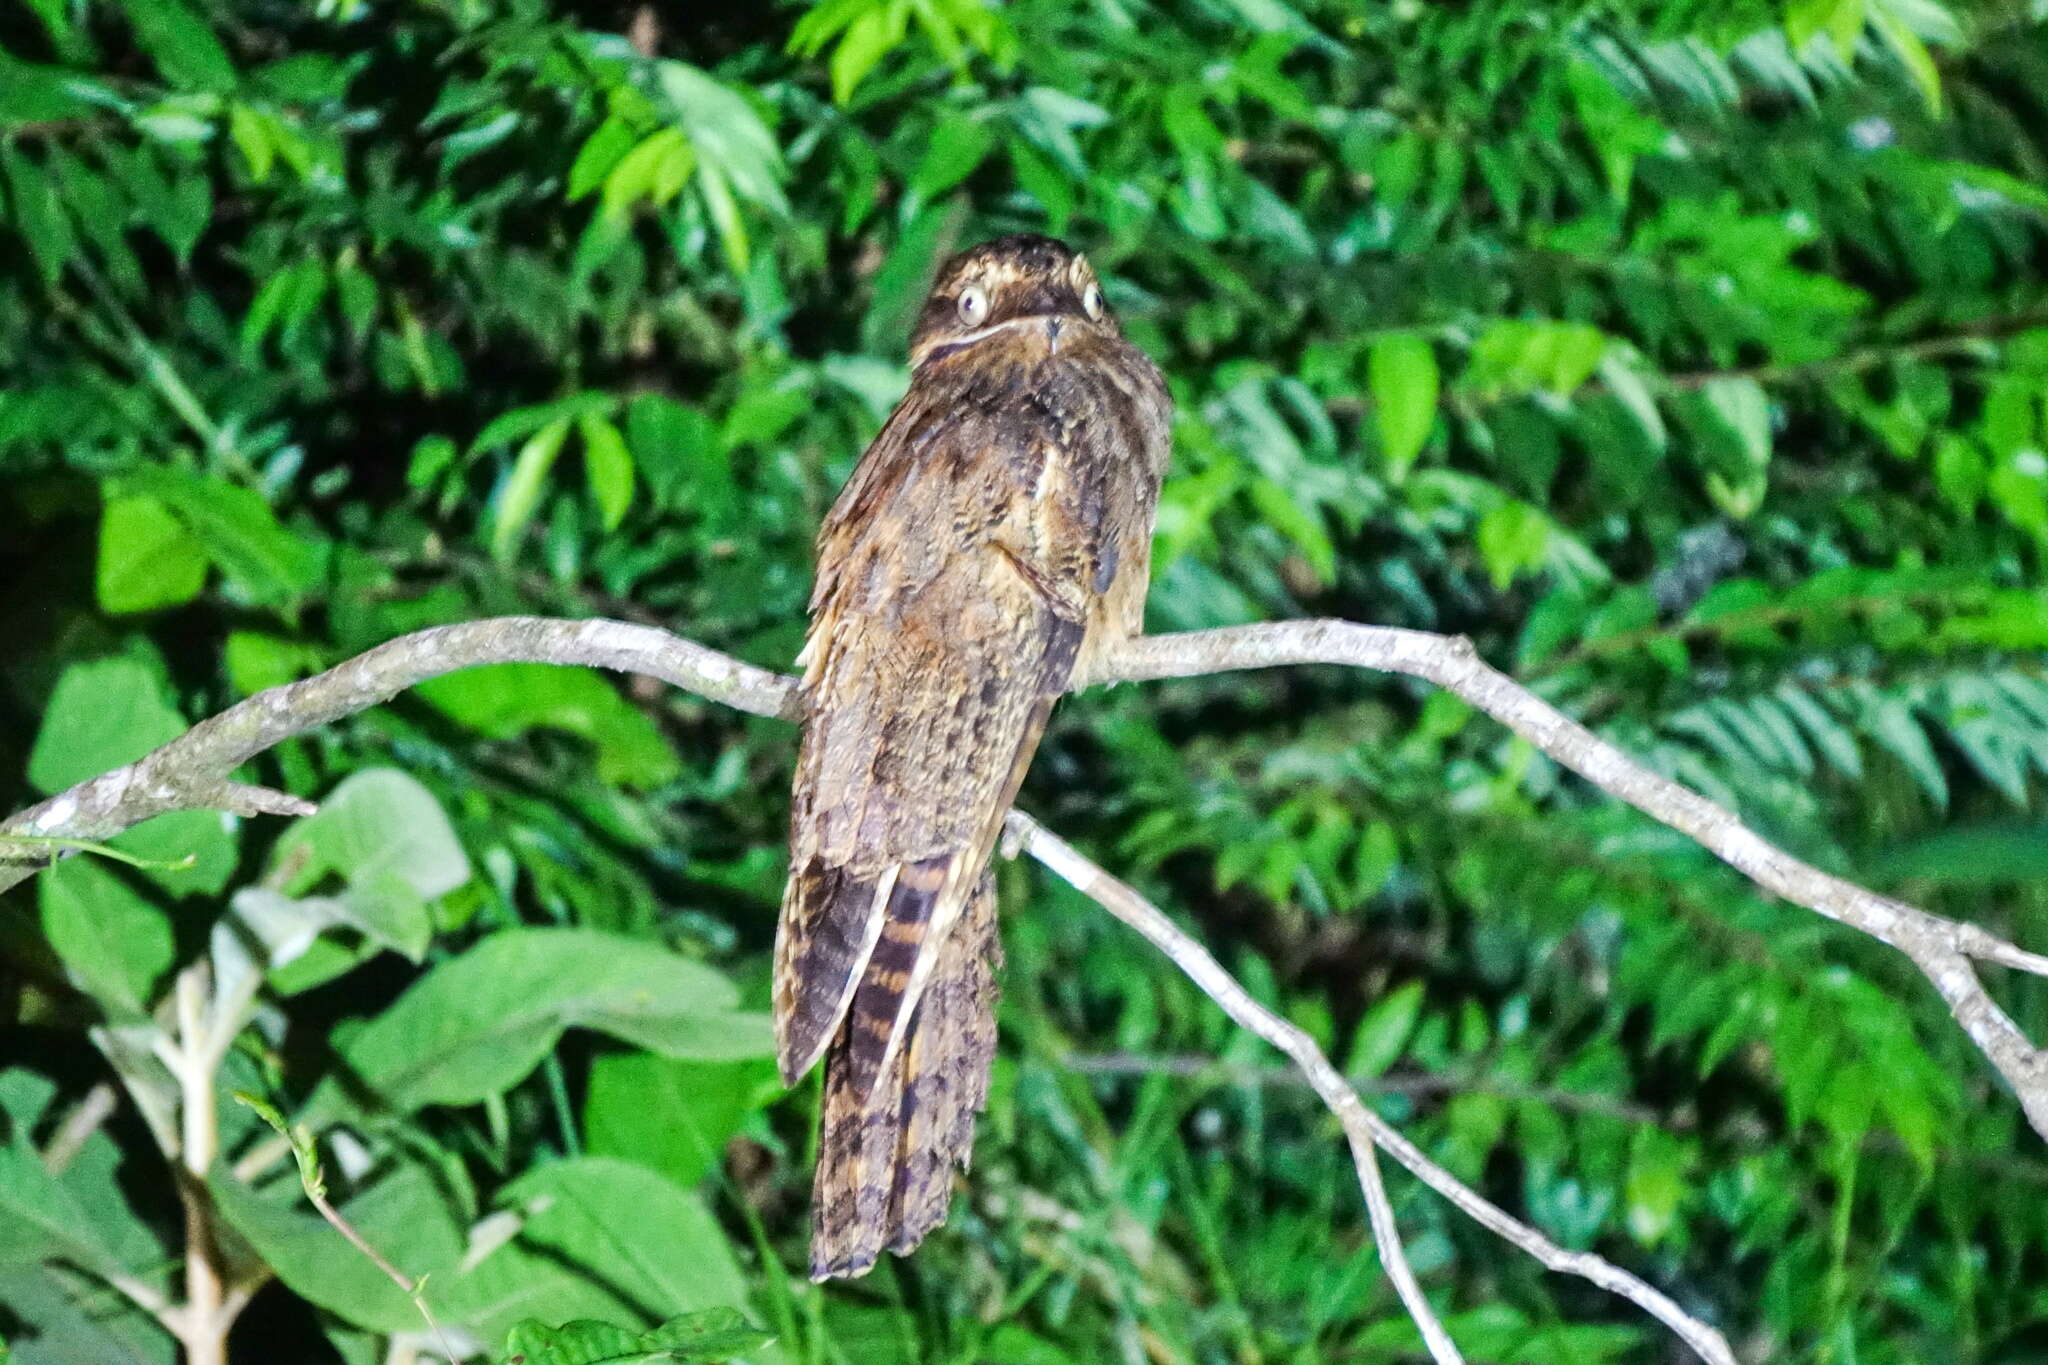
column 1690, row 357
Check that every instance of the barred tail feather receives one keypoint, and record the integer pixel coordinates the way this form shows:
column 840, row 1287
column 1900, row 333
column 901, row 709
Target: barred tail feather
column 885, row 1167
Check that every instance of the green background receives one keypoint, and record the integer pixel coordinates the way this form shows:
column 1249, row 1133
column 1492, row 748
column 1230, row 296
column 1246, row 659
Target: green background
column 1690, row 357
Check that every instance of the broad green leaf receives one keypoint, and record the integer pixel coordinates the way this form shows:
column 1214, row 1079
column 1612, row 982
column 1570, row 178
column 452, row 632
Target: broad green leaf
column 608, row 467
column 520, row 497
column 655, row 170
column 1627, row 385
column 39, row 214
column 102, row 714
column 181, row 45
column 75, row 1319
column 1516, row 356
column 1656, row 1183
column 601, row 1240
column 734, row 147
column 1402, row 371
column 600, row 153
column 517, row 424
column 476, row 1024
column 709, row 1335
column 147, row 559
column 1745, row 412
column 42, row 1220
column 725, row 215
column 867, row 40
column 1384, row 1031
column 116, row 944
column 506, row 700
column 677, row 450
column 41, row 94
column 674, row 1115
column 956, row 147
column 1911, row 51
column 1841, row 20
column 386, row 836
column 1513, row 538
column 266, row 561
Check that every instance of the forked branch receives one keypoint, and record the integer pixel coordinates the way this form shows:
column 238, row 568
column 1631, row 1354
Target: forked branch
column 196, row 771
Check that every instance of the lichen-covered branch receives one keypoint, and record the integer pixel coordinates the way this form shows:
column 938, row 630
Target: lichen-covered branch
column 192, row 771
column 1362, row 1127
column 196, row 771
column 1942, row 949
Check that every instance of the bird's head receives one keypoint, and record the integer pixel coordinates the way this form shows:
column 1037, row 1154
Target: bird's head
column 1023, row 281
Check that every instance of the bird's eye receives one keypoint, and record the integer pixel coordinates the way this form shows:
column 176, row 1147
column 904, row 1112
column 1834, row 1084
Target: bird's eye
column 973, row 304
column 1091, row 299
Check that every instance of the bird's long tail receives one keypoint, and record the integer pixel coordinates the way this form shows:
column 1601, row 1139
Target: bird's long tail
column 885, row 1168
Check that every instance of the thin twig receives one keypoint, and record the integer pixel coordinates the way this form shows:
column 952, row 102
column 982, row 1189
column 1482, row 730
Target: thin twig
column 204, row 1319
column 1362, row 1127
column 78, row 1127
column 313, row 1182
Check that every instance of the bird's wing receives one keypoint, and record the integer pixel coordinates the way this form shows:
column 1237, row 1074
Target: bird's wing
column 937, row 647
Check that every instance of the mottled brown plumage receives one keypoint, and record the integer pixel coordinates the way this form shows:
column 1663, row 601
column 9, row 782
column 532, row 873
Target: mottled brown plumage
column 996, row 534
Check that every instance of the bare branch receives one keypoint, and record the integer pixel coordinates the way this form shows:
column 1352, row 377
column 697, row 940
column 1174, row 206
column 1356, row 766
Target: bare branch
column 1362, row 1127
column 1940, row 948
column 195, row 771
column 188, row 773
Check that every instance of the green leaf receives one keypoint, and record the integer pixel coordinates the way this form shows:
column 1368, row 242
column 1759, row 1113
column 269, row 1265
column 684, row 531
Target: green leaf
column 1841, row 20
column 1384, row 1031
column 147, row 559
column 1627, row 385
column 40, row 1219
column 867, row 40
column 733, row 145
column 1912, row 54
column 267, row 562
column 116, row 944
column 601, row 152
column 407, row 1216
column 516, row 424
column 1513, row 539
column 672, row 1114
column 1516, row 356
column 1403, row 373
column 600, row 1240
column 39, row 214
column 41, row 94
column 475, row 1025
column 677, row 450
column 520, row 497
column 956, row 147
column 386, row 836
column 1656, row 1183
column 181, row 45
column 712, row 1335
column 252, row 138
column 655, row 170
column 725, row 215
column 608, row 467
column 102, row 714
column 506, row 700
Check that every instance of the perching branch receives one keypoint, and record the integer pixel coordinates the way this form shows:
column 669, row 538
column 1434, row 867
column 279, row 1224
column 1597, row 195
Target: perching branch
column 195, row 771
column 1942, row 949
column 1362, row 1127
